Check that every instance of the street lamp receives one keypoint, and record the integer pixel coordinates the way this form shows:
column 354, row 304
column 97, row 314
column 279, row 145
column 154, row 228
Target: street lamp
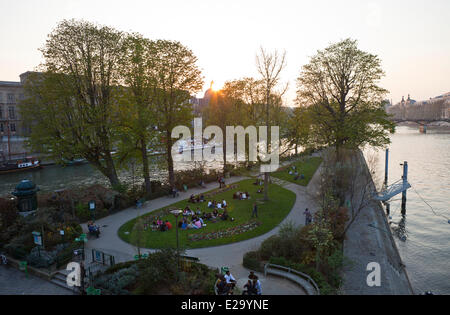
column 82, row 239
column 176, row 213
column 92, row 208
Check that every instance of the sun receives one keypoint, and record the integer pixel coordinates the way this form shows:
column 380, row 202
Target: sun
column 215, row 87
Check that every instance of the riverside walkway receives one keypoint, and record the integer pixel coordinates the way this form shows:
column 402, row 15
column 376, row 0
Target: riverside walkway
column 229, row 255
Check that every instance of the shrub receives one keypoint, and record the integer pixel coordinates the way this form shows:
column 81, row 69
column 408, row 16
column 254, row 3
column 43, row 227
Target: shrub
column 269, row 247
column 251, row 260
column 82, row 212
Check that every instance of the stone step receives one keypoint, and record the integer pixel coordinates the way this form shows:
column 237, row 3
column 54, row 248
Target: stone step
column 60, row 281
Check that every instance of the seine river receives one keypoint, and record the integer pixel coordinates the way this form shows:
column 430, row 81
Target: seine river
column 426, row 248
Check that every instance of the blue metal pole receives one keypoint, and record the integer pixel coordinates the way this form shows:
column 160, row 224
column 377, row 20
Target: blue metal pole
column 405, row 181
column 386, row 168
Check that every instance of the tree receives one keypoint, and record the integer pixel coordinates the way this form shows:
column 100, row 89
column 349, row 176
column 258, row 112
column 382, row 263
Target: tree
column 137, row 109
column 340, row 86
column 227, row 108
column 73, row 102
column 176, row 77
column 298, row 130
column 269, row 66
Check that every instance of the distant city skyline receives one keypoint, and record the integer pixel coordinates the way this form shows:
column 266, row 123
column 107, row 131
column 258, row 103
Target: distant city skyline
column 408, row 36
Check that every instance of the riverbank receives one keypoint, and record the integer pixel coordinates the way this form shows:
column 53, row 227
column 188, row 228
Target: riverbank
column 369, row 239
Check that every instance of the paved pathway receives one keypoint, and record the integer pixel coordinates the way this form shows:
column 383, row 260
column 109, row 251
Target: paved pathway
column 226, row 255
column 15, row 282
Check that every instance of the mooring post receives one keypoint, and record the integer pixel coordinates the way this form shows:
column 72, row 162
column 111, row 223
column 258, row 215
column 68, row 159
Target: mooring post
column 405, row 182
column 386, row 168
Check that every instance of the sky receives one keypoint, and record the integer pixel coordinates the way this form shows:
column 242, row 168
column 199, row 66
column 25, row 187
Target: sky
column 410, row 37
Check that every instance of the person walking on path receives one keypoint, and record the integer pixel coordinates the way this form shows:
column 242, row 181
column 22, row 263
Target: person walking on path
column 308, row 216
column 255, row 210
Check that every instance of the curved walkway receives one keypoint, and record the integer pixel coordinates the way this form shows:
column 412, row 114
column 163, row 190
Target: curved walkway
column 229, row 255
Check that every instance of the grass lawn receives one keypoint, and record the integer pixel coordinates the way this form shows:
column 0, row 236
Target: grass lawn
column 306, row 167
column 270, row 214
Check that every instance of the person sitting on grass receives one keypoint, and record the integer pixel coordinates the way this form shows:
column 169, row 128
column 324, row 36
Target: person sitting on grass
column 224, row 215
column 210, row 204
column 192, row 199
column 154, row 226
column 202, row 198
column 198, row 224
column 215, row 213
column 247, row 194
column 168, row 225
column 224, row 203
column 261, row 190
column 219, row 206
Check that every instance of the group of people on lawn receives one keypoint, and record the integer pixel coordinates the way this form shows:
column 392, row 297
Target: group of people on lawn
column 197, row 219
column 293, row 171
column 241, row 195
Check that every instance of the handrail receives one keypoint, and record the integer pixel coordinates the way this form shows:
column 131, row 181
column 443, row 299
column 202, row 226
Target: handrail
column 290, row 270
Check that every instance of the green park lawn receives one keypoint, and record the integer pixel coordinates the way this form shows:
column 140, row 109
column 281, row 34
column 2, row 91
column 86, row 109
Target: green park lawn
column 307, row 167
column 270, row 214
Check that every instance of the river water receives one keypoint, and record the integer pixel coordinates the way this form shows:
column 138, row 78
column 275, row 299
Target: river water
column 426, row 248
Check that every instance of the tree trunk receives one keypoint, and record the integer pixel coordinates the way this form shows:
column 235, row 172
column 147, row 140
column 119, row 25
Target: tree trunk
column 170, row 161
column 148, row 186
column 266, row 186
column 111, row 171
column 224, row 151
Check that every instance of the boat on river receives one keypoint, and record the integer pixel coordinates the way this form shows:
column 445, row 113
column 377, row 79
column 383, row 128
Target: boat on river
column 19, row 165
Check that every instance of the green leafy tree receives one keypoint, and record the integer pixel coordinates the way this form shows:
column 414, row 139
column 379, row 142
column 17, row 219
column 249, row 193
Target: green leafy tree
column 176, row 77
column 340, row 87
column 298, row 129
column 73, row 103
column 137, row 118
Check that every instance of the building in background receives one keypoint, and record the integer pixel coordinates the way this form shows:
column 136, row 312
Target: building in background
column 13, row 132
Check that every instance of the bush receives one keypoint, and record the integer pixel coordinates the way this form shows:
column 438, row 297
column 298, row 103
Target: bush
column 319, row 279
column 40, row 258
column 251, row 260
column 82, row 212
column 269, row 247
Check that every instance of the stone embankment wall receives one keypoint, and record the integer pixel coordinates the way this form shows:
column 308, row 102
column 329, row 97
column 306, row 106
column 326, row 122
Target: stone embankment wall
column 369, row 239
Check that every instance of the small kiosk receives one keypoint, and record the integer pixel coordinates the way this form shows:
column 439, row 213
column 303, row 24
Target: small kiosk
column 26, row 197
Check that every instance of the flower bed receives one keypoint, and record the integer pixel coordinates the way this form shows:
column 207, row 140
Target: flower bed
column 239, row 229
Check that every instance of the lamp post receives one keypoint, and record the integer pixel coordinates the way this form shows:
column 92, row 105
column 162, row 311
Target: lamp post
column 82, row 239
column 92, row 208
column 176, row 213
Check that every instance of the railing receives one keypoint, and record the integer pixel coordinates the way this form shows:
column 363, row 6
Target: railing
column 293, row 271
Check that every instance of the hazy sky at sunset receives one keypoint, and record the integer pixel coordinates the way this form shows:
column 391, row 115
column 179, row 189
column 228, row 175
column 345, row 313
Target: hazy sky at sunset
column 411, row 37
